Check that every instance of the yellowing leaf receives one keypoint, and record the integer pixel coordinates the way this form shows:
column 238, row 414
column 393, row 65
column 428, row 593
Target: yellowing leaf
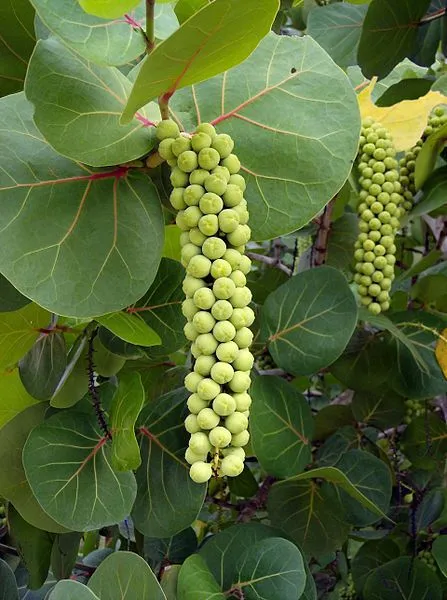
column 441, row 351
column 405, row 120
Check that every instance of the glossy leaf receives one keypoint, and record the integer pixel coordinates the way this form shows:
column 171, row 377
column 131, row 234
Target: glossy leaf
column 429, row 510
column 425, row 441
column 281, row 427
column 439, row 551
column 15, row 399
column 388, row 34
column 13, row 483
column 168, row 500
column 195, row 581
column 338, row 29
column 184, row 9
column 10, row 298
column 212, row 41
column 76, row 484
column 126, row 406
column 16, row 44
column 34, row 546
column 426, row 159
column 272, row 568
column 18, row 332
column 125, row 576
column 407, row 89
column 382, row 409
column 313, row 138
column 105, row 362
column 64, row 554
column 74, row 382
column 8, row 586
column 309, row 320
column 74, row 100
column 404, row 578
column 245, row 484
column 85, row 220
column 371, row 555
column 161, row 308
column 310, row 514
column 43, row 366
column 172, row 246
column 108, row 9
column 71, row 590
column 130, row 328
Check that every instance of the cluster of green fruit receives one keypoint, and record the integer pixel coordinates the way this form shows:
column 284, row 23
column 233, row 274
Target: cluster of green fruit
column 427, row 558
column 208, row 193
column 407, row 163
column 264, row 361
column 414, row 409
column 348, row 591
column 380, row 209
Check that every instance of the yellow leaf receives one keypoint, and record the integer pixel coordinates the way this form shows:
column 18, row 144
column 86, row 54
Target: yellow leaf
column 405, row 120
column 441, row 352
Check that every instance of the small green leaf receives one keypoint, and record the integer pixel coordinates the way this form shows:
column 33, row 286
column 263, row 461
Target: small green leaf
column 404, row 578
column 212, row 41
column 8, row 585
column 309, row 320
column 71, row 590
column 130, row 328
column 371, row 555
column 80, row 99
column 42, row 367
column 75, row 483
column 108, row 9
column 126, row 406
column 427, row 157
column 125, row 576
column 184, row 9
column 195, row 581
column 281, row 427
column 439, row 551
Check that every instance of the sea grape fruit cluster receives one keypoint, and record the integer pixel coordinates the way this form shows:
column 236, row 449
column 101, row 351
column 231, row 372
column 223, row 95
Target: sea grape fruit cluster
column 413, row 409
column 407, row 163
column 428, row 559
column 381, row 205
column 208, row 193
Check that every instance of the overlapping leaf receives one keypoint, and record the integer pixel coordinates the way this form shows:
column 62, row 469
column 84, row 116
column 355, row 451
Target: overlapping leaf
column 10, row 298
column 294, row 117
column 79, row 243
column 184, row 9
column 370, row 556
column 130, row 328
column 434, row 193
column 174, row 550
column 195, row 581
column 15, row 399
column 425, row 441
column 281, row 427
column 108, row 9
column 309, row 320
column 168, row 500
column 67, row 463
column 43, row 366
column 8, row 586
column 210, row 42
column 65, row 554
column 382, row 409
column 71, row 590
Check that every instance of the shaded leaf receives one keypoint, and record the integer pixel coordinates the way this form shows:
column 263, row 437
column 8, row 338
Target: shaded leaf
column 371, row 555
column 428, row 511
column 344, row 232
column 245, row 484
column 43, row 366
column 407, row 89
column 381, row 409
column 309, row 320
column 169, row 581
column 281, row 427
column 127, row 404
column 74, row 382
column 125, row 576
column 8, row 586
column 345, row 438
column 195, row 581
column 174, row 550
column 85, row 220
column 64, row 554
column 424, row 441
column 331, row 418
column 105, row 362
column 439, row 551
column 130, row 328
column 10, row 298
column 71, row 590
column 427, row 157
column 76, row 484
column 312, row 150
column 212, row 41
column 168, row 500
column 119, row 347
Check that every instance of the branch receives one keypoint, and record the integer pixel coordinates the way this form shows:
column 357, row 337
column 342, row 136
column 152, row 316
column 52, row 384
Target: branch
column 436, row 15
column 324, row 231
column 272, row 262
column 93, row 390
column 150, row 26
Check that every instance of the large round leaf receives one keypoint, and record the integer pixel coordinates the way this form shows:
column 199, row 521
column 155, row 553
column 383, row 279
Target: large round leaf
column 67, row 463
column 309, row 320
column 295, row 120
column 370, row 556
column 77, row 108
column 196, row 581
column 108, row 9
column 80, row 243
column 71, row 590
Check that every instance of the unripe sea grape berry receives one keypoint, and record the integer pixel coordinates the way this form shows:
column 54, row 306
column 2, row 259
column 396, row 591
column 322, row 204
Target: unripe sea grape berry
column 167, row 129
column 232, row 466
column 200, row 472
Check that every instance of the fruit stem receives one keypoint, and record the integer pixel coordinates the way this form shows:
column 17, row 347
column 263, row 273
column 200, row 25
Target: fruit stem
column 150, row 26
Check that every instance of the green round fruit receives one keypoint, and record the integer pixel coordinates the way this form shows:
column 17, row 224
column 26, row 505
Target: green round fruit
column 224, row 331
column 200, row 140
column 233, row 195
column 224, row 405
column 208, row 389
column 222, row 372
column 188, row 251
column 240, row 235
column 214, row 248
column 195, row 404
column 204, row 299
column 201, row 472
column 220, row 268
column 192, row 216
column 206, row 128
column 179, row 178
column 236, row 423
column 240, row 383
column 233, row 451
column 223, row 288
column 223, row 144
column 165, row 149
column 191, row 285
column 209, row 159
column 240, row 281
column 232, row 163
column 187, row 161
column 215, row 184
column 192, row 194
column 244, row 360
column 198, row 177
column 239, row 181
column 219, row 437
column 206, row 344
column 203, row 365
column 231, row 466
column 210, row 204
column 222, row 172
column 196, row 236
column 245, row 264
column 190, row 332
column 222, row 310
column 167, row 129
column 243, row 338
column 199, row 266
column 227, row 351
column 192, row 381
column 241, row 297
column 239, row 440
column 192, row 424
column 203, row 321
column 207, row 419
column 177, row 199
column 243, row 401
column 228, row 220
column 209, row 225
column 191, row 457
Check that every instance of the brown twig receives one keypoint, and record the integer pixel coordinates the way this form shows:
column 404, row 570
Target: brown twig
column 324, row 230
column 258, row 502
column 270, row 261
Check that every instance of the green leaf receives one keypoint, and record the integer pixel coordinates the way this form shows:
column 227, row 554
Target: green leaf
column 71, row 590
column 67, row 464
column 74, row 100
column 310, row 514
column 126, row 406
column 172, row 246
column 16, row 44
column 344, row 439
column 184, row 9
column 382, row 408
column 81, row 261
column 64, row 554
column 42, row 367
column 371, row 555
column 8, row 586
column 34, row 546
column 18, row 332
column 337, row 28
column 313, row 138
column 331, row 418
column 106, row 363
column 281, row 427
column 212, row 41
column 429, row 510
column 108, row 9
column 74, row 381
column 125, row 576
column 15, row 399
column 407, row 89
column 10, row 298
column 439, row 551
column 195, row 581
column 245, row 484
column 388, row 35
column 427, row 157
column 130, row 328
column 168, row 500
column 114, row 42
column 161, row 308
column 13, row 484
column 402, row 579
column 344, row 232
column 169, row 581
column 174, row 550
column 309, row 320
column 424, row 441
